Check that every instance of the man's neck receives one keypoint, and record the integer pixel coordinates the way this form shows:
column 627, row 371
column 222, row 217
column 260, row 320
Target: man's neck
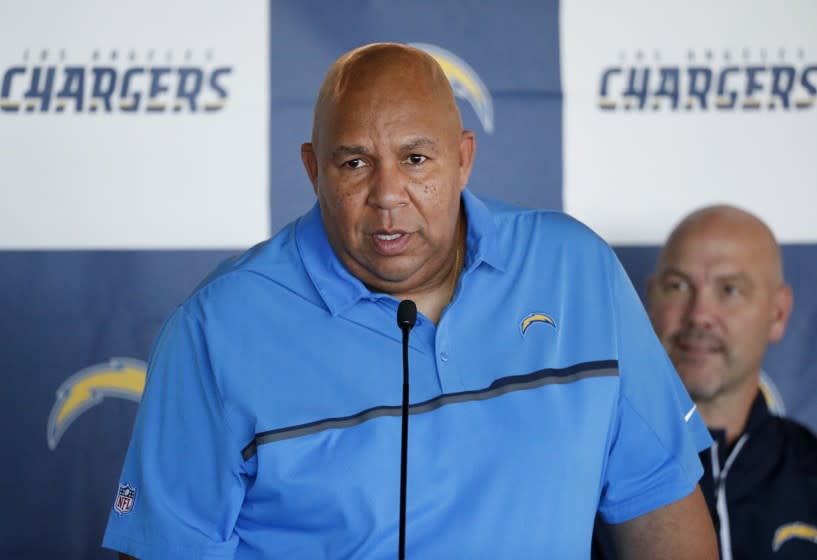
column 432, row 304
column 729, row 411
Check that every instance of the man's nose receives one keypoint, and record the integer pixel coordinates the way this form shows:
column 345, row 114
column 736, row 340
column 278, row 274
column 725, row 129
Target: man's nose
column 701, row 309
column 389, row 187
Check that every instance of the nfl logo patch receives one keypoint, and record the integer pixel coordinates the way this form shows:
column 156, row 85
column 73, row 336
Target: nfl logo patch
column 125, row 497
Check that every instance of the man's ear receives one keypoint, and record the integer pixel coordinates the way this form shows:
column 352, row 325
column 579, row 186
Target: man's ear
column 783, row 301
column 310, row 164
column 468, row 148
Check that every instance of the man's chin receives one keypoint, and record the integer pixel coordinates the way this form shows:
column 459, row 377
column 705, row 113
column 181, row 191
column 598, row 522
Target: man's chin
column 389, row 281
column 380, row 274
column 702, row 382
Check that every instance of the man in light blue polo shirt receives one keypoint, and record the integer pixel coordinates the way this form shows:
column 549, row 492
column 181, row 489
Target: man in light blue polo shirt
column 270, row 422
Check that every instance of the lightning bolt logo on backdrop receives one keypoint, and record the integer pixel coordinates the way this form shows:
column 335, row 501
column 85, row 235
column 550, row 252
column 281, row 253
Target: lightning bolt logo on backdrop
column 123, row 378
column 465, row 82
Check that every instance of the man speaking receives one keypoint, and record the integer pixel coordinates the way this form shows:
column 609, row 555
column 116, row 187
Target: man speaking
column 270, row 424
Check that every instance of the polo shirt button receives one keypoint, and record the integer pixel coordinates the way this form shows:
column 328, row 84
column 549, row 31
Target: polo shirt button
column 444, row 356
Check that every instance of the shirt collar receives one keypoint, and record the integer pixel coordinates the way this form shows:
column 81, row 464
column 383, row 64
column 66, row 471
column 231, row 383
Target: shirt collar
column 481, row 241
column 758, row 414
column 339, row 289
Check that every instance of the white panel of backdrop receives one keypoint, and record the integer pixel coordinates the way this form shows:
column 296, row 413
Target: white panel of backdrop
column 134, row 127
column 673, row 106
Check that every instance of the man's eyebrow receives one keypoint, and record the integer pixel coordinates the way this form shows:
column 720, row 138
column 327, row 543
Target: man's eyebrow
column 671, row 271
column 415, row 143
column 350, row 150
column 734, row 277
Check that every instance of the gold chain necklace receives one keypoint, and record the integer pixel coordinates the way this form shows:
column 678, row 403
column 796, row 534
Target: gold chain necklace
column 457, row 268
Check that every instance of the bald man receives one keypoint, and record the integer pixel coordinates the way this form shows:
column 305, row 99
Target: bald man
column 717, row 300
column 270, row 422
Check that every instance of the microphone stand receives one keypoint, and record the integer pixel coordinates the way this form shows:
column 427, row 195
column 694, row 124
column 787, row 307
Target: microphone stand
column 406, row 317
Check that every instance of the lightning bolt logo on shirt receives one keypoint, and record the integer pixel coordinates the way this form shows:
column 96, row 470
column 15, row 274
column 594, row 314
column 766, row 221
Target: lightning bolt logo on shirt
column 791, row 531
column 535, row 318
column 121, row 377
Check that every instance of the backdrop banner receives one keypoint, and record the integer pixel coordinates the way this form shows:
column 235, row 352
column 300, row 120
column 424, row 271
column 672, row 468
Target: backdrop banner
column 143, row 145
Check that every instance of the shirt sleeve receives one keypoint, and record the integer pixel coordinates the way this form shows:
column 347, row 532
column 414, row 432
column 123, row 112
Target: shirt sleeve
column 658, row 433
column 183, row 481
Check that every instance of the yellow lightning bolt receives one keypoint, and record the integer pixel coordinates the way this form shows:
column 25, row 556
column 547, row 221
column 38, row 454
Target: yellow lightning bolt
column 453, row 71
column 535, row 318
column 121, row 377
column 793, row 531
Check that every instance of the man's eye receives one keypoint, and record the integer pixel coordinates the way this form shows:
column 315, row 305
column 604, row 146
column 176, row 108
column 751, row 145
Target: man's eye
column 416, row 159
column 730, row 290
column 354, row 163
column 676, row 286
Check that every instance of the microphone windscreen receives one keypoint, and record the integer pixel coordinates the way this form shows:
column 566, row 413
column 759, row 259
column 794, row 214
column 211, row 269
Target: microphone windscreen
column 406, row 314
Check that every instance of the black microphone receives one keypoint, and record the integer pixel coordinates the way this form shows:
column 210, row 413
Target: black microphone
column 406, row 317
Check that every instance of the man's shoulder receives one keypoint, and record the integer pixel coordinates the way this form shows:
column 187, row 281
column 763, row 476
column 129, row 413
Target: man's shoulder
column 270, row 265
column 554, row 224
column 800, row 443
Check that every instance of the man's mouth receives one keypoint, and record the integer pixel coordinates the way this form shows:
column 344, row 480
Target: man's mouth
column 387, row 236
column 390, row 243
column 695, row 344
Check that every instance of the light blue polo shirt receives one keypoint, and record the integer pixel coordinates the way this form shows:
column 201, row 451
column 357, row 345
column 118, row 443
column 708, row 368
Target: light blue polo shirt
column 270, row 422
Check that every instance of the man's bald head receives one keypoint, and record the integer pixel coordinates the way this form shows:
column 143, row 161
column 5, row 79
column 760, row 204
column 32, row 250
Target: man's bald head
column 389, row 68
column 723, row 221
